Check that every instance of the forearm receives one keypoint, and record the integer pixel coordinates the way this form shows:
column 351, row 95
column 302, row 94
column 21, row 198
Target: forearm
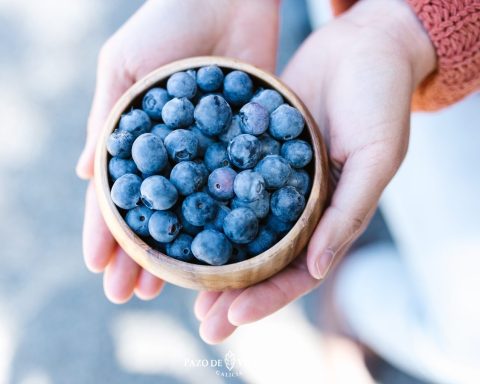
column 453, row 30
column 397, row 19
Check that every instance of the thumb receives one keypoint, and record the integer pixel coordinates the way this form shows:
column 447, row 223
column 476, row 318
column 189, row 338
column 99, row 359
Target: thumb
column 363, row 178
column 365, row 152
column 112, row 82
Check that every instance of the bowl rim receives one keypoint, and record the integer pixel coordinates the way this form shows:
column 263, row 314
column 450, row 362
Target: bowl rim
column 133, row 244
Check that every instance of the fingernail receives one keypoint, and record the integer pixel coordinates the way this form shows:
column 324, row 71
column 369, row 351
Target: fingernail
column 207, row 331
column 80, row 167
column 235, row 316
column 323, row 263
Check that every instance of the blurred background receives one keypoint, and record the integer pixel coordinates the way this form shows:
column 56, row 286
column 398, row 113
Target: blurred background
column 56, row 326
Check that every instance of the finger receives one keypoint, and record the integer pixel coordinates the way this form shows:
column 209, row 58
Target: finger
column 120, row 277
column 246, row 46
column 98, row 243
column 148, row 286
column 215, row 327
column 267, row 297
column 295, row 76
column 204, row 302
column 363, row 178
column 112, row 81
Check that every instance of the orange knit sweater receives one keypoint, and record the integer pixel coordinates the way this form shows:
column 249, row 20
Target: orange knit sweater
column 454, row 29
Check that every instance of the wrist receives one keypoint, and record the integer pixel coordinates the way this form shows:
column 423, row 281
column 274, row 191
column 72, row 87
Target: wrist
column 398, row 20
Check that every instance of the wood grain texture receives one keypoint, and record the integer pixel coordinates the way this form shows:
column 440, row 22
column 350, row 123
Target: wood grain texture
column 206, row 277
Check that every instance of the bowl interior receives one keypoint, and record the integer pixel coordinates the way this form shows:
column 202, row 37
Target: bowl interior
column 137, row 248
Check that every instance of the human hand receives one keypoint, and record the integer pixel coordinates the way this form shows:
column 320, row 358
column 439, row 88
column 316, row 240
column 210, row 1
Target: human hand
column 162, row 31
column 356, row 75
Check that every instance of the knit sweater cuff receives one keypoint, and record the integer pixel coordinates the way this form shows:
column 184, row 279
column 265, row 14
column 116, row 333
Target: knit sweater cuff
column 454, row 29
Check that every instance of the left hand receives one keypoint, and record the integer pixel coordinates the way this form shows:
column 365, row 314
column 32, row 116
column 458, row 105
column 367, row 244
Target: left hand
column 356, row 75
column 160, row 32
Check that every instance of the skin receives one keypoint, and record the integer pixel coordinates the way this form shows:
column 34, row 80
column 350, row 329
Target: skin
column 356, row 75
column 158, row 33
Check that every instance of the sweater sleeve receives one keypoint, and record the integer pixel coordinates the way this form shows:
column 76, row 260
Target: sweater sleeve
column 454, row 29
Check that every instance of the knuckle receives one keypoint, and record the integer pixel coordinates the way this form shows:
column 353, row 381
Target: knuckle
column 353, row 223
column 356, row 225
column 107, row 54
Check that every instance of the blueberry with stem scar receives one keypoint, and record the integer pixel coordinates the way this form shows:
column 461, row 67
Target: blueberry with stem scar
column 125, row 191
column 158, row 193
column 164, row 226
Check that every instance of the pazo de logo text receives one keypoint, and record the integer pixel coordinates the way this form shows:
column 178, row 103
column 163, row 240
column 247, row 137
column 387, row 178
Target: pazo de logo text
column 229, row 366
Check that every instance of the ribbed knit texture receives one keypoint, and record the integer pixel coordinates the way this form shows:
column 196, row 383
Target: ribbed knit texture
column 454, row 29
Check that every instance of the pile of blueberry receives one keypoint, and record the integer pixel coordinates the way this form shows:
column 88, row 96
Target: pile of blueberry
column 210, row 169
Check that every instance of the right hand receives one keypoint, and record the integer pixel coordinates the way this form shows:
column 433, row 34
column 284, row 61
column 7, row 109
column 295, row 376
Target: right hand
column 356, row 75
column 160, row 32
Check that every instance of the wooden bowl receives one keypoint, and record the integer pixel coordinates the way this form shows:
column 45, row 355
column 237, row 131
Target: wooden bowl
column 206, row 277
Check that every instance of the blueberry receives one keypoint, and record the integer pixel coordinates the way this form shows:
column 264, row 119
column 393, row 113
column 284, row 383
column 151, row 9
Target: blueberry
column 260, row 207
column 192, row 73
column 212, row 247
column 241, row 225
column 182, row 84
column 180, row 248
column 217, row 223
column 286, row 123
column 202, row 169
column 264, row 240
column 237, row 87
column 161, row 130
column 181, row 145
column 220, row 183
column 277, row 226
column 137, row 219
column 244, row 151
column 232, row 130
column 297, row 152
column 199, row 208
column 216, row 156
column 249, row 185
column 287, row 203
column 118, row 167
column 149, row 153
column 275, row 170
column 164, row 226
column 153, row 102
column 299, row 179
column 212, row 115
column 136, row 122
column 239, row 254
column 187, row 177
column 126, row 191
column 254, row 119
column 270, row 146
column 186, row 226
column 158, row 193
column 268, row 98
column 178, row 113
column 119, row 143
column 204, row 141
column 209, row 78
